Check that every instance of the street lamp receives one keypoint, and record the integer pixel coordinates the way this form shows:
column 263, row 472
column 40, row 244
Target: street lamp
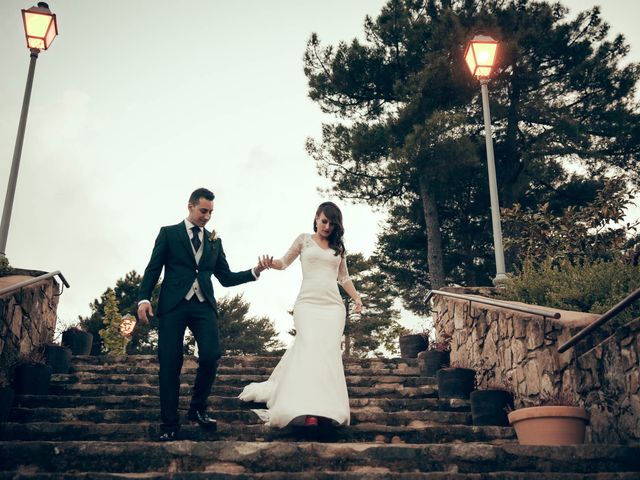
column 40, row 28
column 480, row 55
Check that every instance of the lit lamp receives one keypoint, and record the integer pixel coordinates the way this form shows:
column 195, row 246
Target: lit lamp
column 480, row 56
column 40, row 28
column 481, row 53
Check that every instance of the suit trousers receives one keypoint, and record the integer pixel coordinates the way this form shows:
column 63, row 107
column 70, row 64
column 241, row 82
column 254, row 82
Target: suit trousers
column 200, row 317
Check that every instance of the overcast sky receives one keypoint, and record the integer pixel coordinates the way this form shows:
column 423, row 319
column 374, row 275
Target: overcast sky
column 137, row 103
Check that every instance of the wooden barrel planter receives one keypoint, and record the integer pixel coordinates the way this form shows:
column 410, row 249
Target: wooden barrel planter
column 456, row 382
column 430, row 361
column 411, row 345
column 78, row 341
column 490, row 407
column 32, row 379
column 58, row 358
column 6, row 402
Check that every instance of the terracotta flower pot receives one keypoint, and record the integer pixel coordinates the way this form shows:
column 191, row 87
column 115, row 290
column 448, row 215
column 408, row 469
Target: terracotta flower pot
column 549, row 425
column 411, row 345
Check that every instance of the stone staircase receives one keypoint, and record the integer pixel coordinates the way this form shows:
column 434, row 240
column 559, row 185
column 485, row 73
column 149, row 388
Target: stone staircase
column 100, row 421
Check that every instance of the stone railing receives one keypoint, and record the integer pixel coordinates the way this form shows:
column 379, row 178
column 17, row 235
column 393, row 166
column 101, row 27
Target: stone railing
column 27, row 315
column 522, row 350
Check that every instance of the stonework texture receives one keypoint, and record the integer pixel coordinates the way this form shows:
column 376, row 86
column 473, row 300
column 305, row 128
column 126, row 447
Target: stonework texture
column 27, row 316
column 506, row 346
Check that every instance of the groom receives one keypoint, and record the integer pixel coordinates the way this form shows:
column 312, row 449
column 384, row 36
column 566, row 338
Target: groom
column 190, row 255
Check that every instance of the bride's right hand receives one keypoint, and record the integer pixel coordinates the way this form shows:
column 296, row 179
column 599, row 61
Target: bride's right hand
column 358, row 306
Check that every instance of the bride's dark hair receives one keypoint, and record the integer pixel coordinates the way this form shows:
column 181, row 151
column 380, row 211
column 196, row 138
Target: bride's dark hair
column 333, row 213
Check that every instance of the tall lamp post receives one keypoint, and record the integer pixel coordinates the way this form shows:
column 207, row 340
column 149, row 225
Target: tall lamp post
column 480, row 56
column 40, row 28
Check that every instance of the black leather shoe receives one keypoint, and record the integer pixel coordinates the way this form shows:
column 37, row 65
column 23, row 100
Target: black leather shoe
column 168, row 436
column 203, row 419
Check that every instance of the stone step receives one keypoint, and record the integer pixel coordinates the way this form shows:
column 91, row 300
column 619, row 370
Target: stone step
column 364, row 473
column 250, row 361
column 239, row 380
column 230, row 403
column 245, row 416
column 222, row 370
column 245, row 457
column 366, row 432
column 390, row 390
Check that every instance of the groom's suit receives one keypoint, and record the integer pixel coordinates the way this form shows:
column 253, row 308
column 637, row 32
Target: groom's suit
column 186, row 303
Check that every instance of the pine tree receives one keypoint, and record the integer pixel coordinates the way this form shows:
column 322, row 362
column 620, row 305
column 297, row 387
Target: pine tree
column 145, row 337
column 242, row 334
column 114, row 342
column 408, row 133
column 376, row 330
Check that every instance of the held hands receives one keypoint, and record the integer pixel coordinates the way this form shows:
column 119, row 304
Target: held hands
column 144, row 309
column 264, row 262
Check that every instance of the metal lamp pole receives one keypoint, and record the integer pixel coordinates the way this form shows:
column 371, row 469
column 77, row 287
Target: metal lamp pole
column 501, row 276
column 480, row 56
column 40, row 28
column 17, row 152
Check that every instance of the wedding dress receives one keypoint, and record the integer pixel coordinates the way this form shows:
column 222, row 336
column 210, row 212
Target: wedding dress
column 309, row 379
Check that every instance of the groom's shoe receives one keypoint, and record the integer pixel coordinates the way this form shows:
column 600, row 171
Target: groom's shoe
column 203, row 419
column 168, row 436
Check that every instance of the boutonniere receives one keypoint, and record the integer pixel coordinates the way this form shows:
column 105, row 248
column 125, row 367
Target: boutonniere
column 213, row 236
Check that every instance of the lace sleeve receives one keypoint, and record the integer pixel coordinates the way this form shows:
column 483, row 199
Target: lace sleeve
column 343, row 272
column 293, row 252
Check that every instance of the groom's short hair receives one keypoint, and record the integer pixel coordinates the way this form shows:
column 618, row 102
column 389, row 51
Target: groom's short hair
column 201, row 193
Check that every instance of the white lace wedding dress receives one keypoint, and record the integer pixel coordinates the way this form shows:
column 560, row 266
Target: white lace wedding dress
column 309, row 379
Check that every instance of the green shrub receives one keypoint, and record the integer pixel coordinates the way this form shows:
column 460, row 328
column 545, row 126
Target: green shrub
column 592, row 287
column 5, row 268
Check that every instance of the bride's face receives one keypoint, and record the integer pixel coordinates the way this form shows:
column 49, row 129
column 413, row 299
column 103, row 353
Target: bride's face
column 324, row 225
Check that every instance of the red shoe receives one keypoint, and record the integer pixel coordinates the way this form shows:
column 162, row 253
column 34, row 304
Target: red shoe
column 311, row 421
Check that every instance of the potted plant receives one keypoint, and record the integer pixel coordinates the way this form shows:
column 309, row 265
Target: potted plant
column 489, row 406
column 435, row 357
column 456, row 381
column 57, row 357
column 6, row 397
column 77, row 340
column 32, row 375
column 412, row 343
column 557, row 420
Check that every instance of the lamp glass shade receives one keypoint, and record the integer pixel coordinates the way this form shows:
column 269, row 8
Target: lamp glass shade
column 480, row 55
column 40, row 27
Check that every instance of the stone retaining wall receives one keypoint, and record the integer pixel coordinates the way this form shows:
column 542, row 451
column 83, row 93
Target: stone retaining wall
column 27, row 316
column 608, row 381
column 522, row 350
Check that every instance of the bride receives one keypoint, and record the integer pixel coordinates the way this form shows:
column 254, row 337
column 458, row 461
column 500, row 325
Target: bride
column 307, row 386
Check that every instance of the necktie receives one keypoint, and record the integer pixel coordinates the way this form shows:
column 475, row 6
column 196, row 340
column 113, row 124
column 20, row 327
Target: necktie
column 195, row 239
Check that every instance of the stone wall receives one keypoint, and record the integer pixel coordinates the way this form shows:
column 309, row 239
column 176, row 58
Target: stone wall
column 608, row 381
column 27, row 316
column 506, row 346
